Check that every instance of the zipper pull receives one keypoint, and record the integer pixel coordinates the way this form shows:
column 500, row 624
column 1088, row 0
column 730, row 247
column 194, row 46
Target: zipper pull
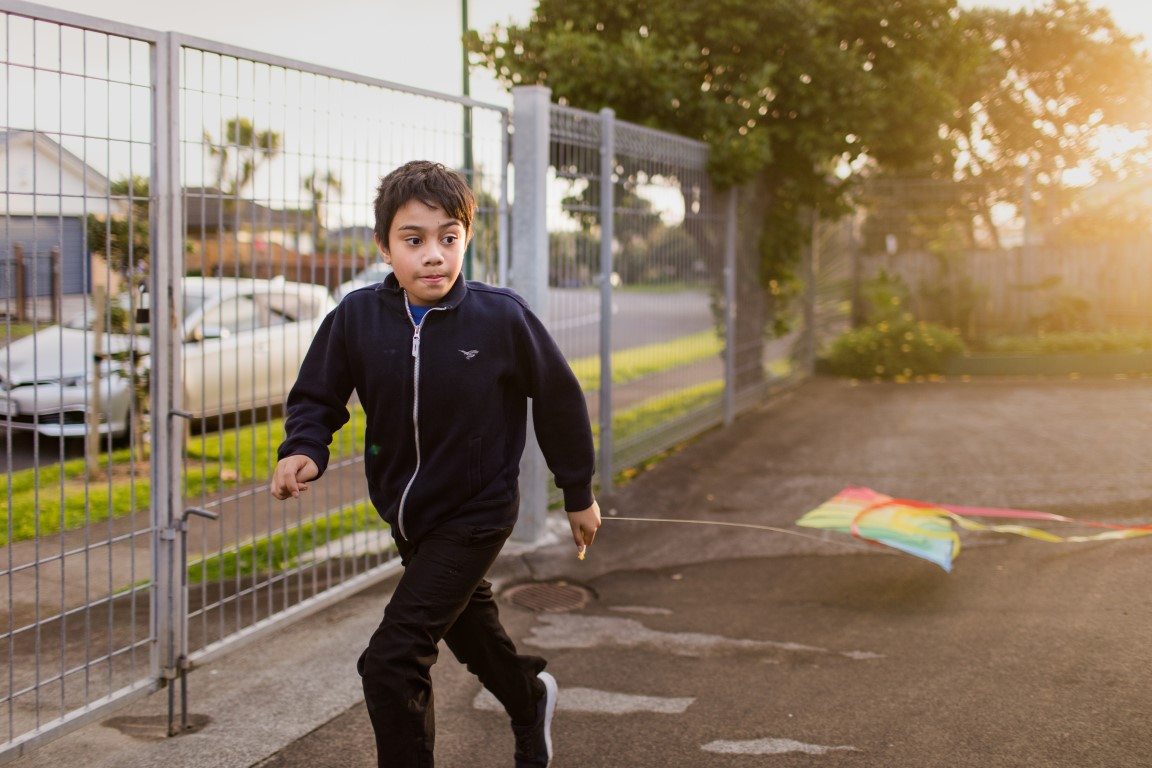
column 416, row 343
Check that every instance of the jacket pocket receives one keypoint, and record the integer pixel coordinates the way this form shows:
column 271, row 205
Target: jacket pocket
column 475, row 459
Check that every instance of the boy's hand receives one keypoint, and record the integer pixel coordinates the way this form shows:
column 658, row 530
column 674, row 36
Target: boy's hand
column 584, row 524
column 292, row 475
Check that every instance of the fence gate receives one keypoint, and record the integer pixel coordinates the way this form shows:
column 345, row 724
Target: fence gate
column 209, row 205
column 78, row 530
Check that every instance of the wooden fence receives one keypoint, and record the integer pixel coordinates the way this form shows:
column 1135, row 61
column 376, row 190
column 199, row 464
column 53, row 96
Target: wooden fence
column 1042, row 288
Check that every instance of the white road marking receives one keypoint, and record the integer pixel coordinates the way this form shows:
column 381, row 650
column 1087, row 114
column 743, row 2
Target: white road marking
column 770, row 747
column 862, row 655
column 641, row 609
column 575, row 631
column 598, row 702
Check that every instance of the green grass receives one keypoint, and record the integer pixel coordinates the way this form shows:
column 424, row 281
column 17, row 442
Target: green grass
column 281, row 551
column 1064, row 343
column 68, row 498
column 13, row 331
column 64, row 500
column 660, row 410
column 637, row 362
column 673, row 287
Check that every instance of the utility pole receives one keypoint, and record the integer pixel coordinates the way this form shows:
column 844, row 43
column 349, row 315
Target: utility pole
column 469, row 171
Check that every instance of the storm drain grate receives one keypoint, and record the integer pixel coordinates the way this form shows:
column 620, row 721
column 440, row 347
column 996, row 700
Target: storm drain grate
column 549, row 596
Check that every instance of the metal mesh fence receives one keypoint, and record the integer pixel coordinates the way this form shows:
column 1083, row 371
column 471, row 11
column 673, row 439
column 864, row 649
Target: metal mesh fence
column 280, row 164
column 76, row 149
column 179, row 215
column 653, row 287
column 667, row 329
column 166, row 254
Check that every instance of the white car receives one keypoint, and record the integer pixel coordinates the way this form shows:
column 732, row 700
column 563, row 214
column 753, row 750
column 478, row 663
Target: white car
column 242, row 343
column 372, row 274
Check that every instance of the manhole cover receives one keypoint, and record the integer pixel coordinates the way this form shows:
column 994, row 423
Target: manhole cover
column 549, row 596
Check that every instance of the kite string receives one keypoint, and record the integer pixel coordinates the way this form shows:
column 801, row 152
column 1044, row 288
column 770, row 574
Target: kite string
column 753, row 526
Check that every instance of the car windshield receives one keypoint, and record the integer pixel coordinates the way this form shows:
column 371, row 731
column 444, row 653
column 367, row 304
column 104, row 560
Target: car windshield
column 117, row 319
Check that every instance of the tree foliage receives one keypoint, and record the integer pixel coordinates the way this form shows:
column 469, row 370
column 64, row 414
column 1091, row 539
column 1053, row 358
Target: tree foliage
column 1043, row 92
column 802, row 99
column 781, row 91
column 123, row 237
column 242, row 150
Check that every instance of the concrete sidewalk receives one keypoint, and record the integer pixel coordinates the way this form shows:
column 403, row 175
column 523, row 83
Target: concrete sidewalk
column 713, row 646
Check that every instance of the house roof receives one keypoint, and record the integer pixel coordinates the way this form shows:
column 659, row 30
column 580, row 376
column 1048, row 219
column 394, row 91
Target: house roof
column 210, row 208
column 52, row 148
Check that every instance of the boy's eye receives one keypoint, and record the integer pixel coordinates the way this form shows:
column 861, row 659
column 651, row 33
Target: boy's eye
column 412, row 240
column 449, row 239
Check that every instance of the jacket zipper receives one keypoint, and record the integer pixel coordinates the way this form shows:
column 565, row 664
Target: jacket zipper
column 415, row 404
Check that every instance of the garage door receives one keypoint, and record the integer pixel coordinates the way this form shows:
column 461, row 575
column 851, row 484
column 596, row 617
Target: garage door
column 38, row 237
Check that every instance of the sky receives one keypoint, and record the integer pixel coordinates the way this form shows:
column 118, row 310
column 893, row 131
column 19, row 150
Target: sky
column 414, row 43
column 411, row 42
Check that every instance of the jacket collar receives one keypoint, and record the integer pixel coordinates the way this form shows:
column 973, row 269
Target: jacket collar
column 454, row 297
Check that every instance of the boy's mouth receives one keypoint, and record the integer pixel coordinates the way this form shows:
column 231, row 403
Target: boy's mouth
column 432, row 279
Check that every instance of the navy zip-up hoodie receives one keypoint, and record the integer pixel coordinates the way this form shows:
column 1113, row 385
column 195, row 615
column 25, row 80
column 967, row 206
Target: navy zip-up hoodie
column 445, row 402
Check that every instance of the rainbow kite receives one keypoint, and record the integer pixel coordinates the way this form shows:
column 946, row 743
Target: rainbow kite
column 926, row 530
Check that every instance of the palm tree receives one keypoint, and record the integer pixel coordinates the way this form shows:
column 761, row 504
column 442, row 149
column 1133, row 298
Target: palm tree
column 250, row 147
column 321, row 187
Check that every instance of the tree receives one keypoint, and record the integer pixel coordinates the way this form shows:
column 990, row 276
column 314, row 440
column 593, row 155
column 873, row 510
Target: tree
column 783, row 92
column 1041, row 92
column 321, row 188
column 1051, row 85
column 243, row 150
column 123, row 239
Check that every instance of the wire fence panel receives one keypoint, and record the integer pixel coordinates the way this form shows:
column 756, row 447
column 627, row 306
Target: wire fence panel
column 654, row 291
column 179, row 216
column 574, row 310
column 232, row 211
column 76, row 148
column 280, row 164
column 668, row 335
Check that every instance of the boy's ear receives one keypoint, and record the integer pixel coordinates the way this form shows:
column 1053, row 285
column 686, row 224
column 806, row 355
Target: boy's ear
column 382, row 248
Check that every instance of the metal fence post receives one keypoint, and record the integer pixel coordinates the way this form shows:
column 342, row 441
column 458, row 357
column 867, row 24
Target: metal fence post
column 811, row 268
column 529, row 272
column 607, row 232
column 168, row 614
column 18, row 282
column 504, row 224
column 730, row 307
column 57, row 287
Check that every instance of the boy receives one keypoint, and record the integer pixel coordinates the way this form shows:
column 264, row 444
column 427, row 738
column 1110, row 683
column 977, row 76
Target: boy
column 443, row 368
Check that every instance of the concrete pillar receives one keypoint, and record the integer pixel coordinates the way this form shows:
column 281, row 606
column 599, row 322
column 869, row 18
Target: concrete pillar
column 529, row 272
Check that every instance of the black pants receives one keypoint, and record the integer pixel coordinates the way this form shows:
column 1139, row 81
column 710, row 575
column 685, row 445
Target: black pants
column 441, row 595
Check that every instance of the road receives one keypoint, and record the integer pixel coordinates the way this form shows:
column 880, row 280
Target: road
column 638, row 318
column 707, row 646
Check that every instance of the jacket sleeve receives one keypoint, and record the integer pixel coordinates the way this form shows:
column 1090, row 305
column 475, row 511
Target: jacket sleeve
column 318, row 402
column 559, row 413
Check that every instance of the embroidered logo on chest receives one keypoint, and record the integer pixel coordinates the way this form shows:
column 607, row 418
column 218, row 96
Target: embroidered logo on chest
column 469, row 353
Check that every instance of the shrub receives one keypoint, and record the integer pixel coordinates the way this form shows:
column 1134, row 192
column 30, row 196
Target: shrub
column 898, row 348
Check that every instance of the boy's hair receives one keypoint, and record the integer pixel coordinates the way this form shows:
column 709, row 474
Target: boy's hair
column 430, row 183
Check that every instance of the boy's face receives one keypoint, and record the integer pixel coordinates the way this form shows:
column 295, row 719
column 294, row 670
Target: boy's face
column 426, row 250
